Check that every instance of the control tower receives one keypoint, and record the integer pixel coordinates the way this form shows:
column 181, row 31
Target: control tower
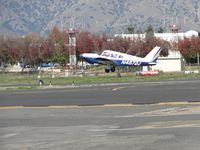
column 72, row 50
column 174, row 29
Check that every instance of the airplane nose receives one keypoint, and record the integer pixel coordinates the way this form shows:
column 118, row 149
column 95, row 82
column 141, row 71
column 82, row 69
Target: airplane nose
column 81, row 55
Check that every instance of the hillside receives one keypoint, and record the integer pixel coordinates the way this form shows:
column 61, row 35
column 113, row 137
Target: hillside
column 108, row 16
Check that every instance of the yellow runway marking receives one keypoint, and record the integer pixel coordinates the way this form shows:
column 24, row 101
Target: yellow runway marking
column 65, row 106
column 174, row 103
column 10, row 107
column 103, row 105
column 118, row 105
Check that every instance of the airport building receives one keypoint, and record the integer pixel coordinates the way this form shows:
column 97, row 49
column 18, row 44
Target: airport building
column 174, row 62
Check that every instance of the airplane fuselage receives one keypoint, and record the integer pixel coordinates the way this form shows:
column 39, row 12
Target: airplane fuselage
column 118, row 59
column 113, row 58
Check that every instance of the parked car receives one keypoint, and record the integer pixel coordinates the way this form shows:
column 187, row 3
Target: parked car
column 30, row 68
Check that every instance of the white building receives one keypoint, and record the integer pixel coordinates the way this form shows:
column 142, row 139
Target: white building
column 174, row 62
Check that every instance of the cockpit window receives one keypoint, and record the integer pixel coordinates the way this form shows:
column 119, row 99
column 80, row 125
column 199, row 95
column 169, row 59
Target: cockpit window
column 106, row 54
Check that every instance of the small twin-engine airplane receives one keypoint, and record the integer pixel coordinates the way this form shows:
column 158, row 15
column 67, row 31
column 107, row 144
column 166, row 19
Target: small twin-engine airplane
column 112, row 58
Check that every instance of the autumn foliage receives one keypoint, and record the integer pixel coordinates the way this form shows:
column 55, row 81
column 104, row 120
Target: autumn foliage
column 189, row 48
column 34, row 49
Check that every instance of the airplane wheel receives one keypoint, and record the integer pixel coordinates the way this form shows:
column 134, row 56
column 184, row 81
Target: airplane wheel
column 112, row 68
column 107, row 70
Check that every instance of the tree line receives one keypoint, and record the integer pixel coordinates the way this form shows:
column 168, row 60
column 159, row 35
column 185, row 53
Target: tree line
column 189, row 48
column 34, row 49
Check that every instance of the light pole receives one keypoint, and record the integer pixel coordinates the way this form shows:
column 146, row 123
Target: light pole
column 198, row 60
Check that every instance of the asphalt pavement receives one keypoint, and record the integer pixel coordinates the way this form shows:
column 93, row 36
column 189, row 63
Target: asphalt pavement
column 146, row 127
column 87, row 95
column 109, row 117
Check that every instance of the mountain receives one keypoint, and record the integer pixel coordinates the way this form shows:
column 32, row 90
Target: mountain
column 107, row 16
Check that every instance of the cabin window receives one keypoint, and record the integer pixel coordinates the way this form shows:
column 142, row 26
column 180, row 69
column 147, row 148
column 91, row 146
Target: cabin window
column 114, row 55
column 120, row 56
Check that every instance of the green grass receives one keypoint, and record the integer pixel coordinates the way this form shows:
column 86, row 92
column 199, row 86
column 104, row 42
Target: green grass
column 30, row 81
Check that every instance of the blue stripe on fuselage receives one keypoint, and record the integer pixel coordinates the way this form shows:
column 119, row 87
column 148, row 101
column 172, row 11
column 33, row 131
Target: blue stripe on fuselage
column 90, row 60
column 94, row 60
column 117, row 62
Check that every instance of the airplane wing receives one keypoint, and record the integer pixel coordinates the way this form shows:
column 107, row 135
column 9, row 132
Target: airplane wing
column 152, row 63
column 103, row 60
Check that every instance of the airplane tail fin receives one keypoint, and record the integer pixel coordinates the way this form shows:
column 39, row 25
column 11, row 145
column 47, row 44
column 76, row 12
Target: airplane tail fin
column 153, row 54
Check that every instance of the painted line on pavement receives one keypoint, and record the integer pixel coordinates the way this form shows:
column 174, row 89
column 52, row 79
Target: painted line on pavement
column 119, row 88
column 174, row 103
column 10, row 107
column 64, row 106
column 119, row 105
column 103, row 105
column 178, row 103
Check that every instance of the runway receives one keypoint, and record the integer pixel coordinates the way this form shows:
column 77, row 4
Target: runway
column 145, row 127
column 84, row 117
column 91, row 95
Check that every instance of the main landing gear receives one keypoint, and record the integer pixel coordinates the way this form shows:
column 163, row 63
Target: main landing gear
column 110, row 68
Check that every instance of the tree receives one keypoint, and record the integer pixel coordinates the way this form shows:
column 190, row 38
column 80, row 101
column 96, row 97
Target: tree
column 58, row 51
column 149, row 32
column 136, row 47
column 33, row 49
column 141, row 47
column 85, row 42
column 130, row 29
column 98, row 42
column 189, row 48
column 4, row 56
column 46, row 48
column 117, row 44
column 160, row 30
column 165, row 45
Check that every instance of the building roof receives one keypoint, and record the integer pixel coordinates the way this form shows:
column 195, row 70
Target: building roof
column 164, row 36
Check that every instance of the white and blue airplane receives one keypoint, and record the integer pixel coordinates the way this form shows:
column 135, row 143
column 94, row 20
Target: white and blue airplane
column 112, row 58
